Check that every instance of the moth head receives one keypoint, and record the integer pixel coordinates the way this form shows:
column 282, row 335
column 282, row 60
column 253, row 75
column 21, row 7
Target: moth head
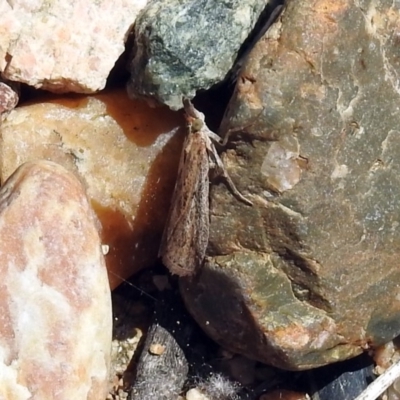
column 196, row 125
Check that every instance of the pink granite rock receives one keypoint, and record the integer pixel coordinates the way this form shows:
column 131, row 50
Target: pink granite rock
column 9, row 95
column 64, row 46
column 55, row 308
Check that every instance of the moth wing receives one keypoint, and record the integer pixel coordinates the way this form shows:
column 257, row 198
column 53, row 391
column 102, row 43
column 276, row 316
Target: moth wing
column 186, row 233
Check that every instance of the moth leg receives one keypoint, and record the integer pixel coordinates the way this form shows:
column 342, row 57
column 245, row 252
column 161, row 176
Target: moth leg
column 194, row 115
column 213, row 136
column 223, row 141
column 217, row 164
column 214, row 159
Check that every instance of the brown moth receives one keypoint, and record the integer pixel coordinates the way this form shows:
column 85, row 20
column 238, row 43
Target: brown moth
column 186, row 233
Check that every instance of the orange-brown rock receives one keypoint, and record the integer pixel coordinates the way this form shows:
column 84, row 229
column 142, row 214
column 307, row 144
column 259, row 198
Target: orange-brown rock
column 282, row 394
column 125, row 153
column 56, row 321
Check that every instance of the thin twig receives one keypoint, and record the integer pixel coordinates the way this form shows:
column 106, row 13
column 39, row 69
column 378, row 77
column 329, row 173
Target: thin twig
column 379, row 385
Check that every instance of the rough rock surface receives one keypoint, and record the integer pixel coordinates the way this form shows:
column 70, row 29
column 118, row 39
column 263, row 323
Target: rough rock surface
column 64, row 46
column 126, row 153
column 185, row 46
column 310, row 274
column 9, row 95
column 56, row 320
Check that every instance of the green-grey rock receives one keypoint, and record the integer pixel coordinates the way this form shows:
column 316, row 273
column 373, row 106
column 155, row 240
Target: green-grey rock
column 182, row 46
column 310, row 274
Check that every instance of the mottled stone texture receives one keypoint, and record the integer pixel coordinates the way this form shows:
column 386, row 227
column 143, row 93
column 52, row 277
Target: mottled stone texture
column 9, row 95
column 64, row 46
column 182, row 46
column 126, row 154
column 56, row 321
column 310, row 274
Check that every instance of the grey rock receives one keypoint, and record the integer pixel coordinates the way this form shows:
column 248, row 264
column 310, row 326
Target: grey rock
column 162, row 367
column 310, row 274
column 182, row 46
column 342, row 381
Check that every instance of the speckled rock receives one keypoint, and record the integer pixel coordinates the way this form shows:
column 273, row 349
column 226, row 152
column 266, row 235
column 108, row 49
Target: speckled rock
column 9, row 95
column 310, row 274
column 56, row 320
column 182, row 46
column 64, row 46
column 126, row 154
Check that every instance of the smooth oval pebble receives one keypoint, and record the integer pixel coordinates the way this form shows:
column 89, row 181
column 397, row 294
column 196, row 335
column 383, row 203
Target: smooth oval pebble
column 55, row 304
